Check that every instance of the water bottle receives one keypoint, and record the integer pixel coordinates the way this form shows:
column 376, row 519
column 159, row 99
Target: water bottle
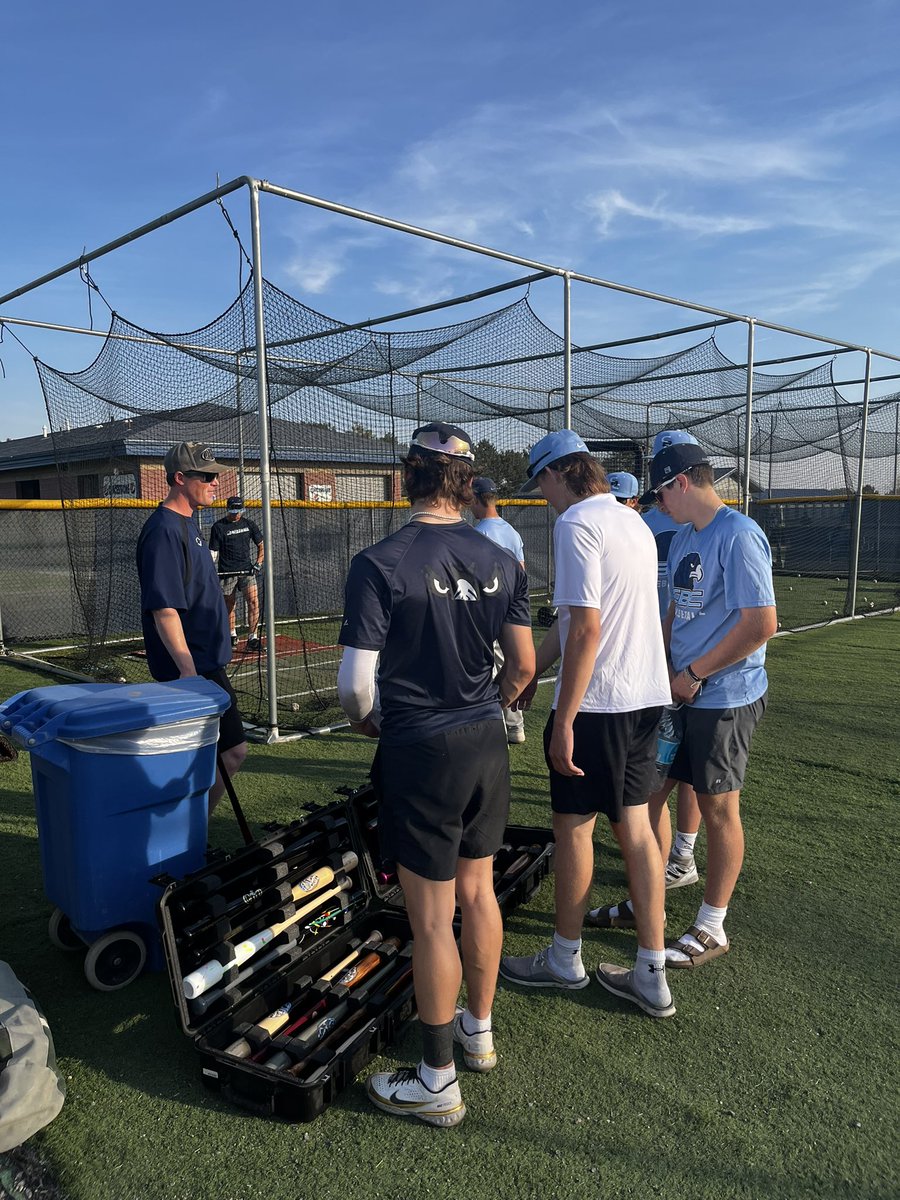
column 668, row 739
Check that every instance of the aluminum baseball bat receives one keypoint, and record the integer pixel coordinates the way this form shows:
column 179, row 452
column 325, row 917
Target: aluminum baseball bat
column 210, row 973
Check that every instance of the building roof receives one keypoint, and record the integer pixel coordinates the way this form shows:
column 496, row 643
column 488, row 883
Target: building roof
column 150, row 436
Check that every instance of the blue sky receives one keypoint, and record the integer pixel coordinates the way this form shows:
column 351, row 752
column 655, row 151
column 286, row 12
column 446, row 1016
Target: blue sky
column 741, row 156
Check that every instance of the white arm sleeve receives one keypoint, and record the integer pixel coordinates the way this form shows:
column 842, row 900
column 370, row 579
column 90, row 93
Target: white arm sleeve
column 357, row 692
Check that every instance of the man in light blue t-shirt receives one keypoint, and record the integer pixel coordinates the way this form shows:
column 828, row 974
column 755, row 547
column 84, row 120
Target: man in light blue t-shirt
column 721, row 614
column 489, row 522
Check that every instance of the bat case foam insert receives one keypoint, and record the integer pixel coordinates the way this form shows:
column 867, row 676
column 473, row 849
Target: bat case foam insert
column 252, row 936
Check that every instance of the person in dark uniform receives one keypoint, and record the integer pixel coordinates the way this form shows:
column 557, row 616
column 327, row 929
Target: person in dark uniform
column 183, row 614
column 431, row 600
column 237, row 549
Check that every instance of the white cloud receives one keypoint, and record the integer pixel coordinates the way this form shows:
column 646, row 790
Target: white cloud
column 609, row 205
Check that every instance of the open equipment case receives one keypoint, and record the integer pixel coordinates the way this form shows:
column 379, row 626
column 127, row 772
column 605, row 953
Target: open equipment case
column 296, row 953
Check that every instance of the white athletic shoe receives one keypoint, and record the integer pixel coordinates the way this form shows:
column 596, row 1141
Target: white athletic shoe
column 478, row 1048
column 405, row 1095
column 515, row 736
column 681, row 870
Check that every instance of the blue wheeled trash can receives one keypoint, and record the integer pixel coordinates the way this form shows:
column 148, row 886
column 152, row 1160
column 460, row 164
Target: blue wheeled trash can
column 121, row 774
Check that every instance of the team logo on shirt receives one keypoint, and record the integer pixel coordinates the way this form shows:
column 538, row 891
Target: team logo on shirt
column 685, row 586
column 461, row 588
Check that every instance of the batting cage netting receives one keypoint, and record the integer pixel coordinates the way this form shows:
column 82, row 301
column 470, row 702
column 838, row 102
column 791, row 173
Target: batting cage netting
column 342, row 403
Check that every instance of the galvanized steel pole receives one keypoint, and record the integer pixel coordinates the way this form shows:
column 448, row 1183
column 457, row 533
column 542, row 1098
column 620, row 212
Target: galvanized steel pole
column 850, row 606
column 262, row 387
column 567, row 351
column 748, row 432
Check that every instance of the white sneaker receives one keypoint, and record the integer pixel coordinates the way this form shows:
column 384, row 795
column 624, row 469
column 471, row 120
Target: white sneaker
column 515, row 737
column 681, row 870
column 478, row 1048
column 405, row 1095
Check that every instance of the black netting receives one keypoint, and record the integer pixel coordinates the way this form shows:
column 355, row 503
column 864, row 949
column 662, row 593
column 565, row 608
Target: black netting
column 341, row 406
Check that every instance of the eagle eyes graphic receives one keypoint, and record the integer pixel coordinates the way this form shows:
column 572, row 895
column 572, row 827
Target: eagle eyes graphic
column 492, row 588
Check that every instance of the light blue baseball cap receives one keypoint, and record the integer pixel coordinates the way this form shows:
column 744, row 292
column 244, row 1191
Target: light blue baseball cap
column 622, row 485
column 547, row 451
column 673, row 437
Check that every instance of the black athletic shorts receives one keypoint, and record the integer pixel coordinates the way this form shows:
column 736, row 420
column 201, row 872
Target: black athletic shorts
column 443, row 798
column 617, row 752
column 715, row 746
column 231, row 727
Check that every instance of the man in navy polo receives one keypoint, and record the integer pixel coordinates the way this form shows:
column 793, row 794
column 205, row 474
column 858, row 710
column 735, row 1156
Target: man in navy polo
column 183, row 615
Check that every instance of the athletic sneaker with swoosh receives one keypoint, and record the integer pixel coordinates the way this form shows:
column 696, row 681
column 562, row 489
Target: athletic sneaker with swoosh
column 405, row 1095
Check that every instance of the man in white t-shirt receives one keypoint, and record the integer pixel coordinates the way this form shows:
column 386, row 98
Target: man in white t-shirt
column 600, row 740
column 489, row 522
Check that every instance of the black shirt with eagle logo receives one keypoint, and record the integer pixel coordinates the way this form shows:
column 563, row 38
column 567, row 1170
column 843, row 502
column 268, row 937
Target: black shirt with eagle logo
column 433, row 599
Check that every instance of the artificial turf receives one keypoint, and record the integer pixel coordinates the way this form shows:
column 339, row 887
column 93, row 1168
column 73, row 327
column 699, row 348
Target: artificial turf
column 778, row 1077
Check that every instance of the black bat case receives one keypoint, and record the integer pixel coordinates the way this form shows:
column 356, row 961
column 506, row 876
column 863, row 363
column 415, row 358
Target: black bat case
column 206, row 918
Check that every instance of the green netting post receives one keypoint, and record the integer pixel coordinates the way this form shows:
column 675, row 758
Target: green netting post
column 850, row 605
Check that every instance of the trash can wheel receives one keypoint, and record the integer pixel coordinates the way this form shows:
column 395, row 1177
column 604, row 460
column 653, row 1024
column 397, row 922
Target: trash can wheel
column 115, row 960
column 61, row 933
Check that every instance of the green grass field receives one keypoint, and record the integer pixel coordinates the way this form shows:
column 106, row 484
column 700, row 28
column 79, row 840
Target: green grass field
column 777, row 1078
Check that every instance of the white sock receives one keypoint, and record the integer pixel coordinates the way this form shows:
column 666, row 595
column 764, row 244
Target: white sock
column 566, row 957
column 684, row 843
column 436, row 1078
column 472, row 1024
column 712, row 920
column 650, row 976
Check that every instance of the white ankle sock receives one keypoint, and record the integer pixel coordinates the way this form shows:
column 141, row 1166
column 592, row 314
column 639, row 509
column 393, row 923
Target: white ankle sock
column 472, row 1024
column 650, row 976
column 566, row 956
column 684, row 843
column 623, row 909
column 436, row 1078
column 712, row 920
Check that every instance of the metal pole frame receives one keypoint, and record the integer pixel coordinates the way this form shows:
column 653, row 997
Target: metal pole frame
column 262, row 386
column 855, row 536
column 748, row 432
column 567, row 351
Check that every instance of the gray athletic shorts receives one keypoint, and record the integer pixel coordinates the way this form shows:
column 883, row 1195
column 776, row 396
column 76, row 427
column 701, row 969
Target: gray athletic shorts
column 715, row 746
column 237, row 583
column 443, row 798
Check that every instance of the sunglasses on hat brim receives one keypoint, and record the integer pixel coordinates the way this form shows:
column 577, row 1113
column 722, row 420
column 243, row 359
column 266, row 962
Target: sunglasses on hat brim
column 432, row 441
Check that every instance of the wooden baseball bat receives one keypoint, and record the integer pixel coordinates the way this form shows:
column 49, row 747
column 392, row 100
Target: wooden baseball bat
column 266, row 1029
column 351, row 977
column 344, row 1037
column 255, row 898
column 518, row 864
column 212, row 972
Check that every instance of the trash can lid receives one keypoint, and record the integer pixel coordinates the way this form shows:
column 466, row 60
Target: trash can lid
column 77, row 711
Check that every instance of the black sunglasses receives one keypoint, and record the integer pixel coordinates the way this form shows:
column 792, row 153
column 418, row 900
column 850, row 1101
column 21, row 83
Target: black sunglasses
column 206, row 476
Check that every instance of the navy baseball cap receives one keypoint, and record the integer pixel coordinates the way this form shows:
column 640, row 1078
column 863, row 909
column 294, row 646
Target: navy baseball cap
column 235, row 504
column 673, row 437
column 671, row 462
column 440, row 438
column 546, row 452
column 482, row 486
column 622, row 485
